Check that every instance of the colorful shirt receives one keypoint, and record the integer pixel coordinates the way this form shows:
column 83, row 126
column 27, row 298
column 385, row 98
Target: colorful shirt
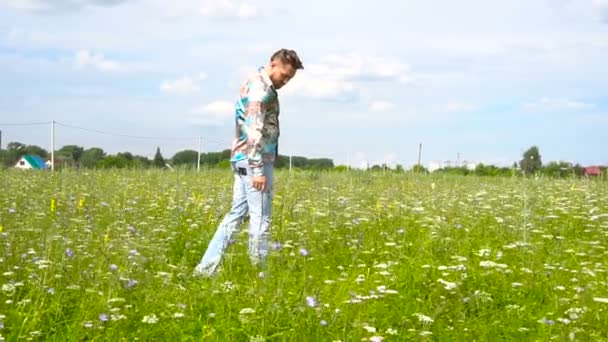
column 256, row 122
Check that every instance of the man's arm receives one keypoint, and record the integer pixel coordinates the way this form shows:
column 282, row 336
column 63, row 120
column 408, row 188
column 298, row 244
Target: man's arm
column 254, row 118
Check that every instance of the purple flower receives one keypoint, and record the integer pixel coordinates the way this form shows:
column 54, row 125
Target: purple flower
column 131, row 283
column 103, row 317
column 113, row 267
column 303, row 251
column 69, row 253
column 310, row 301
column 547, row 321
column 276, row 246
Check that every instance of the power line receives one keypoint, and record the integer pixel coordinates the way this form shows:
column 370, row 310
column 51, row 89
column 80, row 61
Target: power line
column 206, row 141
column 122, row 135
column 26, row 124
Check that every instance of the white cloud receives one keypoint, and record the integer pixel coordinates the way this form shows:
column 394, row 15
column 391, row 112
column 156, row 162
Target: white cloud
column 457, row 107
column 219, row 107
column 341, row 77
column 555, row 104
column 56, row 5
column 183, row 85
column 86, row 58
column 228, row 9
column 380, row 106
column 601, row 6
column 216, row 113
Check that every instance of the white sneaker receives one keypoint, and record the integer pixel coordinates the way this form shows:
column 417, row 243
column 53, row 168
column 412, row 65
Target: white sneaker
column 202, row 272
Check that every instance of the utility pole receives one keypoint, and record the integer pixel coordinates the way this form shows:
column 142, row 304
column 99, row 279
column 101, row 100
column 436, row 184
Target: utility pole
column 419, row 154
column 290, row 163
column 198, row 163
column 348, row 161
column 53, row 145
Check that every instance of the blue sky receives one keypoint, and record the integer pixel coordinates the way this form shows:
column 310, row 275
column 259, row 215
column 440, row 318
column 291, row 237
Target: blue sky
column 479, row 79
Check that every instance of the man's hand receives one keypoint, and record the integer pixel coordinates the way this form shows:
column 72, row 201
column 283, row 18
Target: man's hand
column 259, row 182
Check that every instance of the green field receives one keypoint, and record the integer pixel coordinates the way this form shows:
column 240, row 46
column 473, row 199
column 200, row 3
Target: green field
column 108, row 255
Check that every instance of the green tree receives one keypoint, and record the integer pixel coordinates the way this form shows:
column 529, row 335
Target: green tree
column 558, row 169
column 185, row 157
column 91, row 157
column 71, row 153
column 419, row 169
column 159, row 161
column 531, row 162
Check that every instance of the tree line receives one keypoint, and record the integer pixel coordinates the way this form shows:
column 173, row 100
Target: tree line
column 73, row 156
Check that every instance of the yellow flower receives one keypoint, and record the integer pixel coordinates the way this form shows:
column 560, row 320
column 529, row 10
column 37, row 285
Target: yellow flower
column 81, row 203
column 1, row 228
column 53, row 205
column 106, row 238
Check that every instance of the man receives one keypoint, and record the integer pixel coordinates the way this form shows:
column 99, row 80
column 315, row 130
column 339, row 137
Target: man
column 253, row 153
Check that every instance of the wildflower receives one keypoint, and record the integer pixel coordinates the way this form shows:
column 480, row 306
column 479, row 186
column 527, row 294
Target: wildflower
column 323, row 322
column 369, row 329
column 131, row 283
column 423, row 318
column 246, row 311
column 113, row 267
column 303, row 252
column 150, row 319
column 310, row 301
column 448, row 285
column 103, row 317
column 69, row 253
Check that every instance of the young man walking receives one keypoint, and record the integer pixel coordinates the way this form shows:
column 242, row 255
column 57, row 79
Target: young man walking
column 253, row 153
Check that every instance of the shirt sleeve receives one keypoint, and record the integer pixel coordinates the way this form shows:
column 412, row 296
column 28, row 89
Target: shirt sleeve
column 254, row 117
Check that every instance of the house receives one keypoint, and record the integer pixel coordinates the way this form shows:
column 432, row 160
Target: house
column 28, row 161
column 592, row 171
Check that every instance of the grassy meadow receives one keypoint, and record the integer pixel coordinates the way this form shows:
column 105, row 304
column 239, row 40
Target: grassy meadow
column 108, row 256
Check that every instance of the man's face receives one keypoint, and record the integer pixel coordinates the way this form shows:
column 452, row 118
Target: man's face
column 280, row 73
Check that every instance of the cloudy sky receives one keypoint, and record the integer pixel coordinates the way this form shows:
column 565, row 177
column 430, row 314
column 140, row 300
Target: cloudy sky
column 479, row 80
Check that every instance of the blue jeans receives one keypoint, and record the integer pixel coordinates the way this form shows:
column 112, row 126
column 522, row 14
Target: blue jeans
column 245, row 200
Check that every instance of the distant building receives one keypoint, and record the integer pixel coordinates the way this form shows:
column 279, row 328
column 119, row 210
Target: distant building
column 436, row 165
column 592, row 171
column 31, row 162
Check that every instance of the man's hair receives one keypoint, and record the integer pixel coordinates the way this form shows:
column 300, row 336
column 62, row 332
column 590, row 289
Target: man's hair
column 289, row 57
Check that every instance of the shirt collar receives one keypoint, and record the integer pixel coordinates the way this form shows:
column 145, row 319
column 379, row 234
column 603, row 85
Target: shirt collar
column 265, row 77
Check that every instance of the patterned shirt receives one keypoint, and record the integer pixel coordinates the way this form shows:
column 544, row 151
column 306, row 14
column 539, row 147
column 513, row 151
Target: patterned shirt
column 256, row 122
